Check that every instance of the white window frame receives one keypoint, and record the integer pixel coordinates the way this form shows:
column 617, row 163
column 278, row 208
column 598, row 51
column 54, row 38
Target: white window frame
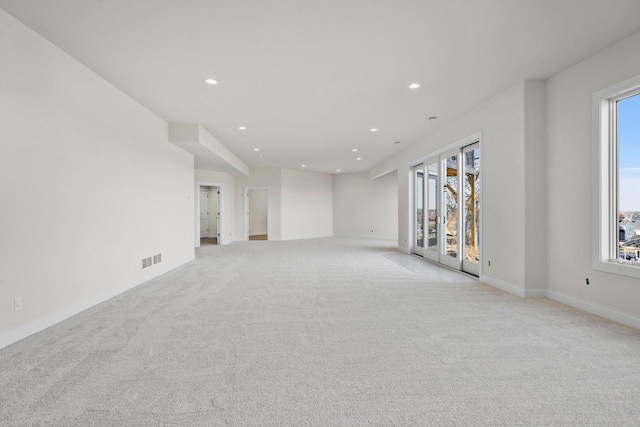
column 605, row 205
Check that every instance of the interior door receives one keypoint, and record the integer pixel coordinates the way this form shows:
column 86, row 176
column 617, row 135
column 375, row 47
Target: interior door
column 217, row 212
column 204, row 213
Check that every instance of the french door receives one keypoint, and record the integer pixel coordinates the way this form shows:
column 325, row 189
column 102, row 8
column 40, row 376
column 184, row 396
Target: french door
column 447, row 209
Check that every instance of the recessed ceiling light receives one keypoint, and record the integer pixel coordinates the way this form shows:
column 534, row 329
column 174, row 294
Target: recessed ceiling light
column 374, row 130
column 304, row 166
column 433, row 117
column 337, row 170
column 414, row 86
column 354, row 150
column 358, row 158
column 211, row 81
column 242, row 127
column 256, row 149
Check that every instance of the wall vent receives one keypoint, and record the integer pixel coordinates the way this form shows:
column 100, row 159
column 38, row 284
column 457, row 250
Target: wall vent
column 146, row 262
column 157, row 258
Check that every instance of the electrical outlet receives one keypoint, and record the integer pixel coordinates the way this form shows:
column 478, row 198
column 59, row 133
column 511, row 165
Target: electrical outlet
column 587, row 282
column 17, row 303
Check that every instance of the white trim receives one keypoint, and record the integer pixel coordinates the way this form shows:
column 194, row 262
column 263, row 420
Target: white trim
column 43, row 323
column 604, row 189
column 199, row 184
column 404, row 249
column 504, row 286
column 387, row 237
column 598, row 310
column 245, row 195
column 535, row 293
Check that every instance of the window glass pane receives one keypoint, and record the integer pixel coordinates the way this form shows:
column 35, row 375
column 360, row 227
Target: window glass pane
column 432, row 212
column 451, row 205
column 419, row 207
column 472, row 205
column 629, row 178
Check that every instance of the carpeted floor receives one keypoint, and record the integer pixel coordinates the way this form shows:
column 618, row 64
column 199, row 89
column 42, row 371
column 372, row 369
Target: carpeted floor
column 322, row 332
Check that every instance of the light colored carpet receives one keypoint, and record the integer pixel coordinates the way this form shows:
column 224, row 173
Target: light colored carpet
column 322, row 332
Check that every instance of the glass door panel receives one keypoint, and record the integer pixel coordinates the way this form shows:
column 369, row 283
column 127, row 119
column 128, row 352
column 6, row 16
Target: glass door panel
column 431, row 211
column 471, row 222
column 419, row 210
column 450, row 249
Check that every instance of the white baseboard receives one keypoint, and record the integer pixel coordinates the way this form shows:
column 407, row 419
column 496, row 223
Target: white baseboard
column 535, row 293
column 598, row 310
column 589, row 307
column 43, row 323
column 504, row 286
column 369, row 236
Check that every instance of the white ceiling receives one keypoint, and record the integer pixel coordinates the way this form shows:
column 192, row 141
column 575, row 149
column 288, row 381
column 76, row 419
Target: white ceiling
column 310, row 78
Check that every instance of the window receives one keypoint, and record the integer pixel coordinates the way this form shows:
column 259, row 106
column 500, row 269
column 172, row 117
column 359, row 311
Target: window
column 617, row 204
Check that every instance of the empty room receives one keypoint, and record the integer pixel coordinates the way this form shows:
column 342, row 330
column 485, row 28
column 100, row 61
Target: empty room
column 420, row 213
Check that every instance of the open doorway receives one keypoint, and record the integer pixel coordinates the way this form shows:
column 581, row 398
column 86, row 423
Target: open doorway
column 257, row 213
column 209, row 212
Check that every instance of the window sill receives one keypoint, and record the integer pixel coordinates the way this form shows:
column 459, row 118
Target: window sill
column 615, row 267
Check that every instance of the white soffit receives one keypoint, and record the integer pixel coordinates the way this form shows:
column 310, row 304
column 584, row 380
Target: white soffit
column 209, row 153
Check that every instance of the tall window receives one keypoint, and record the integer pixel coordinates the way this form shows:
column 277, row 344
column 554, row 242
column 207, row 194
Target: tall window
column 617, row 210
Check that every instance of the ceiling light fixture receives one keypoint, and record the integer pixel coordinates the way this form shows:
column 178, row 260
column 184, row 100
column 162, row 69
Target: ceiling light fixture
column 242, row 127
column 414, row 86
column 337, row 170
column 374, row 130
column 256, row 149
column 211, row 81
column 304, row 166
column 358, row 158
column 354, row 150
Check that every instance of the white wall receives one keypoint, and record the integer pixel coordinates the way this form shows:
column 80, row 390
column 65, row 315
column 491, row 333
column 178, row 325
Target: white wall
column 259, row 177
column 307, row 204
column 258, row 212
column 111, row 188
column 364, row 207
column 226, row 183
column 570, row 175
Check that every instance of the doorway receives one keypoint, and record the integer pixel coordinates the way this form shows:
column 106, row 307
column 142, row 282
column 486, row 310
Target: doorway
column 209, row 215
column 447, row 209
column 256, row 213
